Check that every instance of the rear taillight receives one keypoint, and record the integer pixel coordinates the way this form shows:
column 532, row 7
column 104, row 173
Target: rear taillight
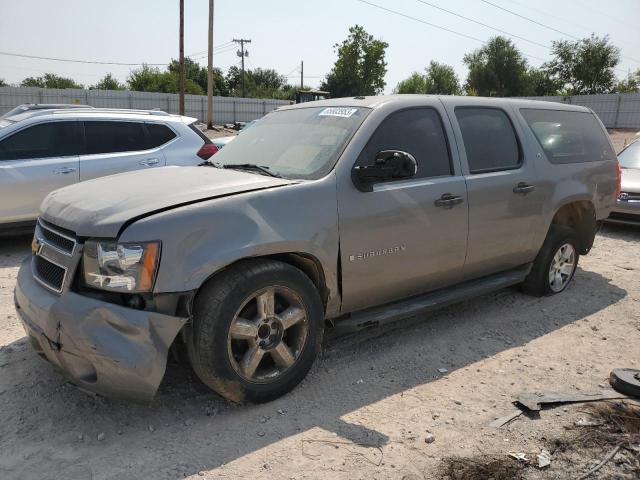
column 619, row 170
column 207, row 150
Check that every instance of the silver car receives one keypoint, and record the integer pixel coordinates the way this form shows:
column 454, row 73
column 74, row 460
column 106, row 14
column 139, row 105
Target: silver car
column 43, row 150
column 348, row 212
column 627, row 207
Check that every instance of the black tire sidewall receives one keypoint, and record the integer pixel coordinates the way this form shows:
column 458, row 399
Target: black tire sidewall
column 537, row 281
column 214, row 309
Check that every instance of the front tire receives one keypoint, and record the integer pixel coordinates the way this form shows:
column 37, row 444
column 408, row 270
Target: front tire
column 257, row 329
column 556, row 263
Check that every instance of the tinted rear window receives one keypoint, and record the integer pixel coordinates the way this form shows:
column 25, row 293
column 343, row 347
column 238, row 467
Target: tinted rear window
column 489, row 139
column 113, row 137
column 45, row 140
column 568, row 137
column 159, row 134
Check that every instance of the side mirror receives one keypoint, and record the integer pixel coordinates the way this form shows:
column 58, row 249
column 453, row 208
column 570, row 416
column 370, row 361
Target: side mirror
column 388, row 165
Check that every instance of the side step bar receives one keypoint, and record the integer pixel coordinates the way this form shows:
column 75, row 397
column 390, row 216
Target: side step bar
column 383, row 315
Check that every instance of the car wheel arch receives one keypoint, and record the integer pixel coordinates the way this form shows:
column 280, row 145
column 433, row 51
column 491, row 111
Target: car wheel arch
column 306, row 263
column 580, row 215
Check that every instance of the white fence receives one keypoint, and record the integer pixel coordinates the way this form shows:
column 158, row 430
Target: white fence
column 225, row 109
column 616, row 110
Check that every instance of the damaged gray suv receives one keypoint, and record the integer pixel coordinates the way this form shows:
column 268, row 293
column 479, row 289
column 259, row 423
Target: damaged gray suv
column 348, row 212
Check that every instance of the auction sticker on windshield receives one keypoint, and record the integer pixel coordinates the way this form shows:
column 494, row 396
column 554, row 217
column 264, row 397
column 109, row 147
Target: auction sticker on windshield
column 337, row 112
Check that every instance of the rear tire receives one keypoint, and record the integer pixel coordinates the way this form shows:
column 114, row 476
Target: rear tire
column 554, row 267
column 257, row 329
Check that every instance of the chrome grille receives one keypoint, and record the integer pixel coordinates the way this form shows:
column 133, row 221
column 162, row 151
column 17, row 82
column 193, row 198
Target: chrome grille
column 62, row 240
column 50, row 274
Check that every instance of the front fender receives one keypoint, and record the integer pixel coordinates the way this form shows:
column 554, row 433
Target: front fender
column 201, row 239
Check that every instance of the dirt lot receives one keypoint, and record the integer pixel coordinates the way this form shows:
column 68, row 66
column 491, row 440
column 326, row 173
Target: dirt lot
column 366, row 408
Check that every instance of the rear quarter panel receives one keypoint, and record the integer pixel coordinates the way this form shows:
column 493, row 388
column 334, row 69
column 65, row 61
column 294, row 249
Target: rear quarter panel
column 561, row 184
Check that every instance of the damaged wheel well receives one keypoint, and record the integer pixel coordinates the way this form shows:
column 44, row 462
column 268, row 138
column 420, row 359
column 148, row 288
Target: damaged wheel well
column 581, row 217
column 308, row 264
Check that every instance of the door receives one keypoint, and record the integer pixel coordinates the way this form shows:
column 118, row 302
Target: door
column 405, row 236
column 501, row 183
column 114, row 146
column 35, row 161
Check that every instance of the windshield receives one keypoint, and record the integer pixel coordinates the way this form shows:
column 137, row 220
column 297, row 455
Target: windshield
column 302, row 143
column 630, row 156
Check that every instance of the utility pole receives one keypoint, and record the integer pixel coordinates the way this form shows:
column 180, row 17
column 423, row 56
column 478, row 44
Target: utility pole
column 210, row 70
column 242, row 53
column 302, row 75
column 181, row 106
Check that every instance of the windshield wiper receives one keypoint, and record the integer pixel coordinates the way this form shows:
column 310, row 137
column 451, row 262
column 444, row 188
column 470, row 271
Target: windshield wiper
column 251, row 166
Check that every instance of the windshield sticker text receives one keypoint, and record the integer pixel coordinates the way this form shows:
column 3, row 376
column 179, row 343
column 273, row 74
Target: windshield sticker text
column 338, row 112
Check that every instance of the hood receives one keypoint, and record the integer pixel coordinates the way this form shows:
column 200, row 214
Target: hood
column 101, row 207
column 631, row 180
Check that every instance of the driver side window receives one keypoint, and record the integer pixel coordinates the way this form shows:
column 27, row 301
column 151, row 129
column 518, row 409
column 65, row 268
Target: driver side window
column 418, row 131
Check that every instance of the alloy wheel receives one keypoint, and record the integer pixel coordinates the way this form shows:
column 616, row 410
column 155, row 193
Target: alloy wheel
column 267, row 334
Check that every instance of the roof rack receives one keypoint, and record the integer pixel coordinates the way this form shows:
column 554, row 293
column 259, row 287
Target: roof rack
column 112, row 110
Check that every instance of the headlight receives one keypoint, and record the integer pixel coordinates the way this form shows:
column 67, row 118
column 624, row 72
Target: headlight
column 121, row 267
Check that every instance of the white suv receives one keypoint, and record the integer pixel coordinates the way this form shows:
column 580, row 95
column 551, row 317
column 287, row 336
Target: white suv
column 43, row 150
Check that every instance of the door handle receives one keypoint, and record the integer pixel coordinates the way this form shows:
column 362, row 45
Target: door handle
column 448, row 200
column 148, row 162
column 523, row 188
column 64, row 171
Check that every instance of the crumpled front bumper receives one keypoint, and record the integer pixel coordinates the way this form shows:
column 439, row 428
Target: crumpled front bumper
column 101, row 347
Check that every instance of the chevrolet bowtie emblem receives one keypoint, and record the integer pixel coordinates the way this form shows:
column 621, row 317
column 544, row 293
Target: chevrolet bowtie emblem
column 36, row 246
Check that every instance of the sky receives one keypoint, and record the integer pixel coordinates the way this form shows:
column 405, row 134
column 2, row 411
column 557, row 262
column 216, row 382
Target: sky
column 285, row 32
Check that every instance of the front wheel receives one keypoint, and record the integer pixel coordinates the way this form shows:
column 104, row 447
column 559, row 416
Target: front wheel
column 256, row 331
column 556, row 263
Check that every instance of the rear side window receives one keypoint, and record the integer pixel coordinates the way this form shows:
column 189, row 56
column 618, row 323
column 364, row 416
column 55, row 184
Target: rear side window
column 417, row 131
column 568, row 137
column 45, row 140
column 489, row 139
column 159, row 134
column 113, row 137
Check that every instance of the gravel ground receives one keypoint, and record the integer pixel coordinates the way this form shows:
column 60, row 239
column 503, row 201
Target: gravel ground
column 370, row 405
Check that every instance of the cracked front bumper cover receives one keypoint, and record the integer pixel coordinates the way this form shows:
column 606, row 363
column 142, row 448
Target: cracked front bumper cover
column 112, row 350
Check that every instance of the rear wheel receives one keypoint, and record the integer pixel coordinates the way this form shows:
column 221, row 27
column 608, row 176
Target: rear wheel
column 256, row 331
column 555, row 264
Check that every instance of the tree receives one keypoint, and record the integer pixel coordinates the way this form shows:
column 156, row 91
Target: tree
column 497, row 69
column 3, row 83
column 631, row 84
column 151, row 79
column 439, row 79
column 416, row 83
column 198, row 74
column 50, row 80
column 442, row 79
column 584, row 66
column 259, row 83
column 541, row 83
column 360, row 68
column 108, row 82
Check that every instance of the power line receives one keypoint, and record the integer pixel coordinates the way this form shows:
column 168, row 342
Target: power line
column 22, row 55
column 483, row 24
column 545, row 26
column 530, row 20
column 95, row 62
column 460, row 34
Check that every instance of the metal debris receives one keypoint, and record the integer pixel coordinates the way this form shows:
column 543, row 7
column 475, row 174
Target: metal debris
column 499, row 422
column 534, row 401
column 544, row 459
